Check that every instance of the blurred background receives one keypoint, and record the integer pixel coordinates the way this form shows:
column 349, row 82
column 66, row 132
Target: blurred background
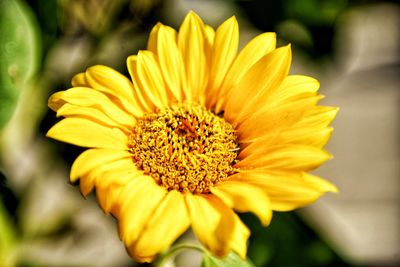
column 351, row 46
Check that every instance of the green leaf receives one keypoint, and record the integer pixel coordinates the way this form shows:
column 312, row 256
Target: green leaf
column 232, row 260
column 7, row 238
column 314, row 12
column 19, row 52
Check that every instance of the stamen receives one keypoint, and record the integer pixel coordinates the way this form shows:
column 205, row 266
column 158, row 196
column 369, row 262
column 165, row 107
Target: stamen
column 184, row 147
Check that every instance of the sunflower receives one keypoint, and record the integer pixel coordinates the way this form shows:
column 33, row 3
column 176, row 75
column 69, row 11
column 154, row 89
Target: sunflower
column 198, row 132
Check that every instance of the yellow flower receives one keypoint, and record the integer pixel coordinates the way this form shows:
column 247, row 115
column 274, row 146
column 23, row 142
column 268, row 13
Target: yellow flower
column 198, row 131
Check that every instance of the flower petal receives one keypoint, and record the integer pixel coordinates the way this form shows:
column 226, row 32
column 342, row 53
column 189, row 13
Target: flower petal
column 243, row 198
column 171, row 62
column 149, row 94
column 96, row 176
column 277, row 118
column 286, row 191
column 111, row 183
column 55, row 102
column 285, row 157
column 253, row 89
column 292, row 86
column 191, row 43
column 169, row 221
column 212, row 222
column 86, row 184
column 87, row 97
column 140, row 92
column 311, row 136
column 113, row 83
column 319, row 116
column 107, row 197
column 93, row 158
column 224, row 52
column 150, row 79
column 79, row 80
column 93, row 114
column 239, row 237
column 248, row 56
column 138, row 201
column 152, row 43
column 210, row 35
column 85, row 133
column 319, row 183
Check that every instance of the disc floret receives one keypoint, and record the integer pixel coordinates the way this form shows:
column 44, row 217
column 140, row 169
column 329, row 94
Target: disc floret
column 184, row 147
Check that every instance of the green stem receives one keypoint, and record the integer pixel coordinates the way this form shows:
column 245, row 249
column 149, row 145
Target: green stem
column 174, row 249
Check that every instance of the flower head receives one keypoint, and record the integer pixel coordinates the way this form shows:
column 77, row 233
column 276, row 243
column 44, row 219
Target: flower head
column 197, row 133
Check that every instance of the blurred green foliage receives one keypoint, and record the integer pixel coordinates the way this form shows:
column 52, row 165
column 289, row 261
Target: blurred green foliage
column 19, row 51
column 48, row 16
column 312, row 22
column 7, row 237
column 232, row 260
column 288, row 242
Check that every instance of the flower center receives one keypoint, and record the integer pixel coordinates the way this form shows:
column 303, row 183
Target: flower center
column 184, row 147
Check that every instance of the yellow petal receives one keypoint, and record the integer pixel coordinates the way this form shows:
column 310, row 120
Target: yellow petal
column 313, row 136
column 171, row 63
column 210, row 35
column 111, row 183
column 79, row 80
column 138, row 200
column 286, row 191
column 212, row 222
column 93, row 158
column 118, row 173
column 224, row 52
column 168, row 222
column 248, row 56
column 85, row 133
column 113, row 83
column 109, row 175
column 87, row 97
column 150, row 79
column 152, row 43
column 239, row 237
column 86, row 184
column 319, row 183
column 319, row 116
column 275, row 118
column 191, row 43
column 294, row 85
column 243, row 198
column 104, row 173
column 285, row 157
column 107, row 197
column 144, row 95
column 109, row 179
column 253, row 89
column 94, row 114
column 55, row 102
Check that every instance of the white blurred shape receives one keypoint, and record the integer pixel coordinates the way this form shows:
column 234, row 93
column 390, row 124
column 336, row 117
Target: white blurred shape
column 369, row 37
column 363, row 221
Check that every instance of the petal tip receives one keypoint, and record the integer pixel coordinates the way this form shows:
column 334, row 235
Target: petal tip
column 232, row 19
column 131, row 58
column 334, row 189
column 192, row 17
column 50, row 133
column 96, row 69
column 266, row 220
